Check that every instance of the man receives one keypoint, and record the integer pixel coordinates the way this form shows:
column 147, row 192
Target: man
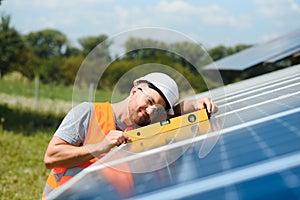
column 91, row 129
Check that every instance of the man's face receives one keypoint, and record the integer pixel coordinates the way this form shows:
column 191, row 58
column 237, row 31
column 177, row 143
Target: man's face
column 146, row 105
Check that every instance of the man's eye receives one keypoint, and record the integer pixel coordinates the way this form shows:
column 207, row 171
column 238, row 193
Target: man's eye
column 150, row 101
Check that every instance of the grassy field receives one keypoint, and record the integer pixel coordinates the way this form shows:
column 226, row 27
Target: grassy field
column 22, row 172
column 16, row 91
column 22, row 87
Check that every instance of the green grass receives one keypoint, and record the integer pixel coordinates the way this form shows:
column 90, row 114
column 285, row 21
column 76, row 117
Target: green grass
column 22, row 172
column 58, row 99
column 23, row 87
column 26, row 88
column 59, row 92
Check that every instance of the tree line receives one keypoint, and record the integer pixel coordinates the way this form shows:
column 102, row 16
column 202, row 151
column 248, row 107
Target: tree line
column 48, row 55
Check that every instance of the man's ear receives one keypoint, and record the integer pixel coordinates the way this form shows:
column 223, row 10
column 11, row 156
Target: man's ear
column 133, row 90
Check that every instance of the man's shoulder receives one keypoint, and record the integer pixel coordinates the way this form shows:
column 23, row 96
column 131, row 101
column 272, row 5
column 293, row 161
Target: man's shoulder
column 83, row 106
column 87, row 107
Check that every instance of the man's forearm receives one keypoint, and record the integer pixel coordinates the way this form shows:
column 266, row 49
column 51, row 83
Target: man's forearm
column 65, row 155
column 184, row 107
column 188, row 106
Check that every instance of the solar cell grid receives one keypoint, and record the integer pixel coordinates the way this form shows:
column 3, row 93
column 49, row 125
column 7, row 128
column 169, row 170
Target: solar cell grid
column 257, row 154
column 285, row 86
column 255, row 87
column 250, row 85
column 261, row 107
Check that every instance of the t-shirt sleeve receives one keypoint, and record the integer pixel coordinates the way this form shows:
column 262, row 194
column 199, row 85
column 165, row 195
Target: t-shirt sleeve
column 75, row 124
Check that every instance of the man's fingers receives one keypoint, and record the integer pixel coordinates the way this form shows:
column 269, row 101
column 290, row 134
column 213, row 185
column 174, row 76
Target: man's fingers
column 208, row 105
column 121, row 138
column 127, row 137
column 215, row 108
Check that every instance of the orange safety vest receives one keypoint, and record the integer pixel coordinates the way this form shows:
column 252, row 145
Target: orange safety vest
column 101, row 123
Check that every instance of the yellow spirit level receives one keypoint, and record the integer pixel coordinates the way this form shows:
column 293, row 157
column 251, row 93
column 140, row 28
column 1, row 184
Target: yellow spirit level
column 169, row 125
column 170, row 137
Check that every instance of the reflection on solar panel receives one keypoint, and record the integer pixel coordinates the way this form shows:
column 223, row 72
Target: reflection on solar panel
column 251, row 151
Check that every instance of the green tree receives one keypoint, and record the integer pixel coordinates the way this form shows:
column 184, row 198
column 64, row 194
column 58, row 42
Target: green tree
column 47, row 43
column 11, row 46
column 188, row 54
column 48, row 46
column 70, row 67
column 151, row 55
column 29, row 64
column 72, row 51
column 51, row 70
column 89, row 43
column 240, row 47
column 221, row 51
column 144, row 48
column 218, row 52
column 96, row 51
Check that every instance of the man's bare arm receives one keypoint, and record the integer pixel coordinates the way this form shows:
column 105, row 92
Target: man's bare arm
column 193, row 105
column 62, row 154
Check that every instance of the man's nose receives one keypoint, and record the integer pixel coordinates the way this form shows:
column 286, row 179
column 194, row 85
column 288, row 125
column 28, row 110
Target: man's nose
column 151, row 109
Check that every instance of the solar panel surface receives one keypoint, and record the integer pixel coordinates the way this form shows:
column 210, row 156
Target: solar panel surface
column 251, row 151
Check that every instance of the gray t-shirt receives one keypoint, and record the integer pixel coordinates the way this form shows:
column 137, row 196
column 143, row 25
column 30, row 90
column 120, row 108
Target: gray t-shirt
column 74, row 126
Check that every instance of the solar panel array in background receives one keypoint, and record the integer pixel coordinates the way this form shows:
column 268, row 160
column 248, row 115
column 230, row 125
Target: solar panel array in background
column 252, row 151
column 271, row 51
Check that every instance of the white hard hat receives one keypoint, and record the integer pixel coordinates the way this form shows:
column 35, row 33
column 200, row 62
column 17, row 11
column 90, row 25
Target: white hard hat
column 167, row 87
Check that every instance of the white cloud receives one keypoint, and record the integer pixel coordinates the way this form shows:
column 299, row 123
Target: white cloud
column 210, row 20
column 268, row 37
column 294, row 6
column 209, row 15
column 113, row 17
column 29, row 4
column 174, row 14
column 278, row 9
column 224, row 19
column 57, row 4
column 175, row 7
column 122, row 16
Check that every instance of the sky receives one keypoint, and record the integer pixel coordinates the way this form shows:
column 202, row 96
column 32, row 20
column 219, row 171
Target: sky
column 209, row 22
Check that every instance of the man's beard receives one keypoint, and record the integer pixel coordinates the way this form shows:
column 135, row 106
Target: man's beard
column 142, row 122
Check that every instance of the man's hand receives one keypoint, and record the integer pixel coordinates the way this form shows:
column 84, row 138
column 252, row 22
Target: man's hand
column 207, row 103
column 62, row 154
column 114, row 138
column 193, row 105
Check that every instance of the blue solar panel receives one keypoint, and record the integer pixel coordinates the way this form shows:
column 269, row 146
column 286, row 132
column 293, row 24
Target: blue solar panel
column 270, row 51
column 253, row 152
